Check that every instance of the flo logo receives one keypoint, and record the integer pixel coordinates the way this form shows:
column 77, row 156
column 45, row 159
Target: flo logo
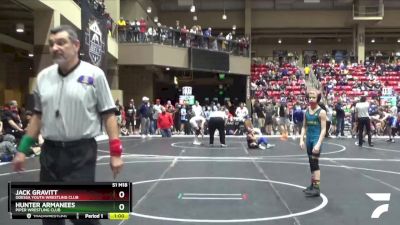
column 94, row 42
column 379, row 197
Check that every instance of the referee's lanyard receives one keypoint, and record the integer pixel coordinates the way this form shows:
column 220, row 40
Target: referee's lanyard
column 57, row 113
column 60, row 123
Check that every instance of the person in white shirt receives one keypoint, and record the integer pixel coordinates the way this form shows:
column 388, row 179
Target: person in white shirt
column 362, row 117
column 197, row 122
column 229, row 37
column 228, row 41
column 197, row 109
column 156, row 113
column 241, row 112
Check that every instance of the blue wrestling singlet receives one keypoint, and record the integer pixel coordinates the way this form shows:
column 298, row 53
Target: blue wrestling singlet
column 313, row 130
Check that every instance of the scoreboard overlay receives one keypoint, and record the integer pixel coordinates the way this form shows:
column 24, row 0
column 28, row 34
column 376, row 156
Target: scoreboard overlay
column 103, row 200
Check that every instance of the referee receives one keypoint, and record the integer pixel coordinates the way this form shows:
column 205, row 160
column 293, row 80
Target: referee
column 217, row 122
column 72, row 97
column 362, row 118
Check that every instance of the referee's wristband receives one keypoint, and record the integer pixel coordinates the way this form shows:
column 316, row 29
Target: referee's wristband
column 115, row 147
column 26, row 144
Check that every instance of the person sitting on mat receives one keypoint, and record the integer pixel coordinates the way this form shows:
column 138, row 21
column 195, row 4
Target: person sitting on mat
column 252, row 141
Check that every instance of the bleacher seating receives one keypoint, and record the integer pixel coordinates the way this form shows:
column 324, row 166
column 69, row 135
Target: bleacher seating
column 353, row 81
column 274, row 82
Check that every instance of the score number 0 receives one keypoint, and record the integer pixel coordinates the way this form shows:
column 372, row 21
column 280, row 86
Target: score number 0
column 121, row 206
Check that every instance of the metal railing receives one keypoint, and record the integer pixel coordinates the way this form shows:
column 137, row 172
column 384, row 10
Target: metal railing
column 174, row 37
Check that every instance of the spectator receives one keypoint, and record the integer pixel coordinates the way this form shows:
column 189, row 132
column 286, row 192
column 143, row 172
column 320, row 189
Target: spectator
column 241, row 112
column 11, row 120
column 340, row 115
column 145, row 114
column 165, row 123
column 121, row 29
column 130, row 116
column 8, row 148
column 143, row 29
column 298, row 116
column 156, row 112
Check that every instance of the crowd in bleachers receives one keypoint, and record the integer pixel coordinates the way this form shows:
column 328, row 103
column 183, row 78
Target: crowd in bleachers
column 277, row 89
column 271, row 81
column 139, row 31
column 356, row 80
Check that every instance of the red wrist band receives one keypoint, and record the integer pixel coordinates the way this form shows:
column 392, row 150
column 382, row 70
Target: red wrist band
column 115, row 147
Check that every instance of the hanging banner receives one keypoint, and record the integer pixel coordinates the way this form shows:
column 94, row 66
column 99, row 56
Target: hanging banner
column 94, row 36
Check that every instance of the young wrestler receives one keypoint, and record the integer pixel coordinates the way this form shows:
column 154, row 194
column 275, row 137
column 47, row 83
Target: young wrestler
column 252, row 141
column 314, row 128
column 197, row 124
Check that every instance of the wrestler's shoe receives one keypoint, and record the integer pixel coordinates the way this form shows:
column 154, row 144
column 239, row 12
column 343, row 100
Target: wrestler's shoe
column 270, row 145
column 308, row 188
column 314, row 192
column 196, row 143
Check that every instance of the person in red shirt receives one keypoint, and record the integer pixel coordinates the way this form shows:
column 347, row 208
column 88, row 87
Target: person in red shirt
column 165, row 123
column 142, row 29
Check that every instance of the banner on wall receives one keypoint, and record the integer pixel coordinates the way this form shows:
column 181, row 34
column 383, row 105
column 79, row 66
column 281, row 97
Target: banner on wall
column 388, row 100
column 94, row 36
column 189, row 99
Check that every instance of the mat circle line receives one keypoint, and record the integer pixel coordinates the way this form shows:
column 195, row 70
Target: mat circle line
column 319, row 207
column 343, row 148
column 177, row 145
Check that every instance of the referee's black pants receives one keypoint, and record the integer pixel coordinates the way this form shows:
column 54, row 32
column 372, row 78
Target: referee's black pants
column 68, row 162
column 364, row 122
column 217, row 123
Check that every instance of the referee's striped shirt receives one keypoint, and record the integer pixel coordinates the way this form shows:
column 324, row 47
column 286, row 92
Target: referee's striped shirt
column 71, row 105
